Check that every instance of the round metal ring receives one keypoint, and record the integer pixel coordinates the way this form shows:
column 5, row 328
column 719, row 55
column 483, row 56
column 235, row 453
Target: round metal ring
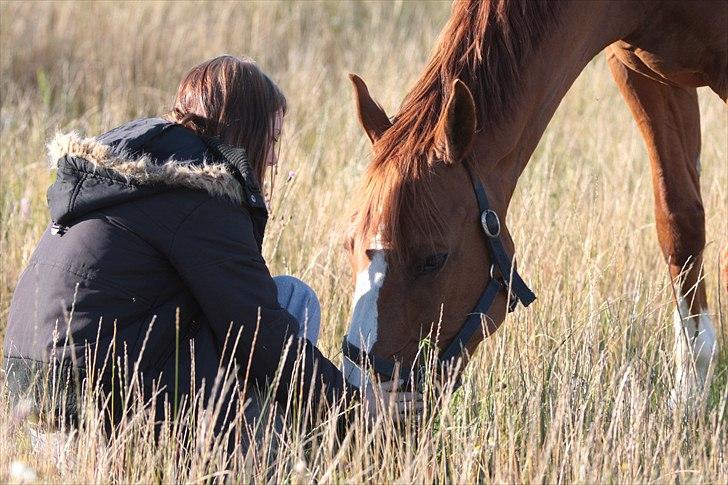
column 488, row 217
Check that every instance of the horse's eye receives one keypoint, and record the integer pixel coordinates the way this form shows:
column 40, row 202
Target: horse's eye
column 431, row 264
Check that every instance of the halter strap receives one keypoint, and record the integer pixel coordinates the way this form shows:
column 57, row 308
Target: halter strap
column 506, row 278
column 472, row 322
column 518, row 290
column 495, row 245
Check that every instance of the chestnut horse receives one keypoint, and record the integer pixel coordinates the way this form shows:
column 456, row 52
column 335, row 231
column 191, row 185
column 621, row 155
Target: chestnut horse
column 501, row 67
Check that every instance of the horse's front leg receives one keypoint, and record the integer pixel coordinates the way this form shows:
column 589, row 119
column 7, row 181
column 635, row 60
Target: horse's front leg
column 669, row 119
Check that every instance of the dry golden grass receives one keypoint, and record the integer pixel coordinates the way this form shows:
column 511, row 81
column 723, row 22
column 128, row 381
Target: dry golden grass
column 573, row 389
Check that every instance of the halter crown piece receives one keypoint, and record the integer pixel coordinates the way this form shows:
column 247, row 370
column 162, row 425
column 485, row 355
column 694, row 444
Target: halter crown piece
column 503, row 277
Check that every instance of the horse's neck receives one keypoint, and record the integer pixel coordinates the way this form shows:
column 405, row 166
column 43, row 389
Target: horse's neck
column 547, row 73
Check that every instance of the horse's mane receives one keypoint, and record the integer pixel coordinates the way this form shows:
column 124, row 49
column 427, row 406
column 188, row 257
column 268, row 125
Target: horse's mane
column 483, row 44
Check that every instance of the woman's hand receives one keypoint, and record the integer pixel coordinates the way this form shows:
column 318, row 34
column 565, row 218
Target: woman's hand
column 384, row 399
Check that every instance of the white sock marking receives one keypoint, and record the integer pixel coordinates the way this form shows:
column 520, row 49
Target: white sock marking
column 695, row 349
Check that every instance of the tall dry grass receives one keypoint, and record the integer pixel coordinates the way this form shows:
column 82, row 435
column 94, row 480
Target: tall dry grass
column 573, row 389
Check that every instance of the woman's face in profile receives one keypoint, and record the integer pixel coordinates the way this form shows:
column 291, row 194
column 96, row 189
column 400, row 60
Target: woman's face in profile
column 272, row 157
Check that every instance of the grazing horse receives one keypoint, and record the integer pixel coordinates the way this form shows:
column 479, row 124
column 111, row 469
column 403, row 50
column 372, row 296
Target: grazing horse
column 430, row 241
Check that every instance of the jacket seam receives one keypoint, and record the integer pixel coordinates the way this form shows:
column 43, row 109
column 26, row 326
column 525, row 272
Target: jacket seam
column 76, row 191
column 208, row 264
column 152, row 218
column 182, row 222
column 214, row 263
column 37, row 361
column 87, row 276
column 95, row 174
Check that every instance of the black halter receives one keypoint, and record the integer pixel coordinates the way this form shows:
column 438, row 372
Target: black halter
column 502, row 273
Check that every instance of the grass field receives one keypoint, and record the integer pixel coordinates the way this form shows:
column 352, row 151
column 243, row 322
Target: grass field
column 573, row 389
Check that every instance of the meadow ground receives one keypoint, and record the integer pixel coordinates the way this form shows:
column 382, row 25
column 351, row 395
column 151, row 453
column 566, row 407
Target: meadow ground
column 573, row 389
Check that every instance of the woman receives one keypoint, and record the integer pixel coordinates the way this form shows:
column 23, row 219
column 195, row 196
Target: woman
column 151, row 273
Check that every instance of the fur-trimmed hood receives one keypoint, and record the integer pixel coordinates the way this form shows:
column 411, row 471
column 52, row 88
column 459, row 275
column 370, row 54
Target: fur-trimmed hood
column 139, row 159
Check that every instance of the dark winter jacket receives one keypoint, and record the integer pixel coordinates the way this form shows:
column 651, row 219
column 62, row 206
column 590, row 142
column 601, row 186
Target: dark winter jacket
column 156, row 232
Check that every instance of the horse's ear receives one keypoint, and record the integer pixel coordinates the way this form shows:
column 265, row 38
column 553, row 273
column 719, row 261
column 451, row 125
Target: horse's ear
column 371, row 116
column 456, row 127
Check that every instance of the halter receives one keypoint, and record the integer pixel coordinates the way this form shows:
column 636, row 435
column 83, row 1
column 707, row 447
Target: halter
column 500, row 270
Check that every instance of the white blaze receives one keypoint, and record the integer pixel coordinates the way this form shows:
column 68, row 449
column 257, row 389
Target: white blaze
column 364, row 315
column 695, row 349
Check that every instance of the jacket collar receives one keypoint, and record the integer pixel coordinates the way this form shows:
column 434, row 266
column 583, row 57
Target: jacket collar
column 215, row 177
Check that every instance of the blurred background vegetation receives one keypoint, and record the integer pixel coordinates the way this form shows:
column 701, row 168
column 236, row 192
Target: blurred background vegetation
column 574, row 388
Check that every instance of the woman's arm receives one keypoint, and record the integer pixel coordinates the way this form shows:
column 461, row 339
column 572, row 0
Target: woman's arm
column 215, row 253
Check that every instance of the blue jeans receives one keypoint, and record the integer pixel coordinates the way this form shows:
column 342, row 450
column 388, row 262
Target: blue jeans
column 302, row 303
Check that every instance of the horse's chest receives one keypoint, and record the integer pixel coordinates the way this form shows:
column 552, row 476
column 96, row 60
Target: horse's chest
column 664, row 65
column 688, row 48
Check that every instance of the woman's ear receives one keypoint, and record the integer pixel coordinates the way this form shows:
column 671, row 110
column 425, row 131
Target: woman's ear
column 371, row 116
column 456, row 126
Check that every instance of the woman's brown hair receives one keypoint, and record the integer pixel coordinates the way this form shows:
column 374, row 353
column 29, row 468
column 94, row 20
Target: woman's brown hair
column 232, row 99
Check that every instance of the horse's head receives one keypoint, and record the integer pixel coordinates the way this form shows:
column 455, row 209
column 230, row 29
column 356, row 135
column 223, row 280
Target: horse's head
column 417, row 249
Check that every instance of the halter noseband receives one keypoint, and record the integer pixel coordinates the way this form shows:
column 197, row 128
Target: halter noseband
column 503, row 276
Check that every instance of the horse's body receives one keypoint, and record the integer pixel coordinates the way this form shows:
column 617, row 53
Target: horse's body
column 519, row 58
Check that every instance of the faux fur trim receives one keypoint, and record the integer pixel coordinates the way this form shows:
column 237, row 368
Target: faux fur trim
column 214, row 178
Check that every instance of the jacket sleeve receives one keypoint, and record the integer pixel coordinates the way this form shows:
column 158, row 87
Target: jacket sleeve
column 215, row 252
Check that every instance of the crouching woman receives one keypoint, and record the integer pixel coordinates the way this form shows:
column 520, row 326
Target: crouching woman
column 149, row 280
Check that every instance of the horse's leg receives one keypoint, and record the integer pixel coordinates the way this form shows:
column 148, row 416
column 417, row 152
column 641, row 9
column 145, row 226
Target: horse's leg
column 669, row 119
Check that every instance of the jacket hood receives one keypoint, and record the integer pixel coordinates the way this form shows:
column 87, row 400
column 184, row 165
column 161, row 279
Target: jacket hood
column 139, row 159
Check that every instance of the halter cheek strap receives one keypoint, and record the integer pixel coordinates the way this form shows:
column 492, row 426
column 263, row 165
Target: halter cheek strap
column 503, row 277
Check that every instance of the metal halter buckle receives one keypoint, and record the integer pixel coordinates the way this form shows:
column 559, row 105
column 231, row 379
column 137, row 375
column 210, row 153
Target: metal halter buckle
column 490, row 222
